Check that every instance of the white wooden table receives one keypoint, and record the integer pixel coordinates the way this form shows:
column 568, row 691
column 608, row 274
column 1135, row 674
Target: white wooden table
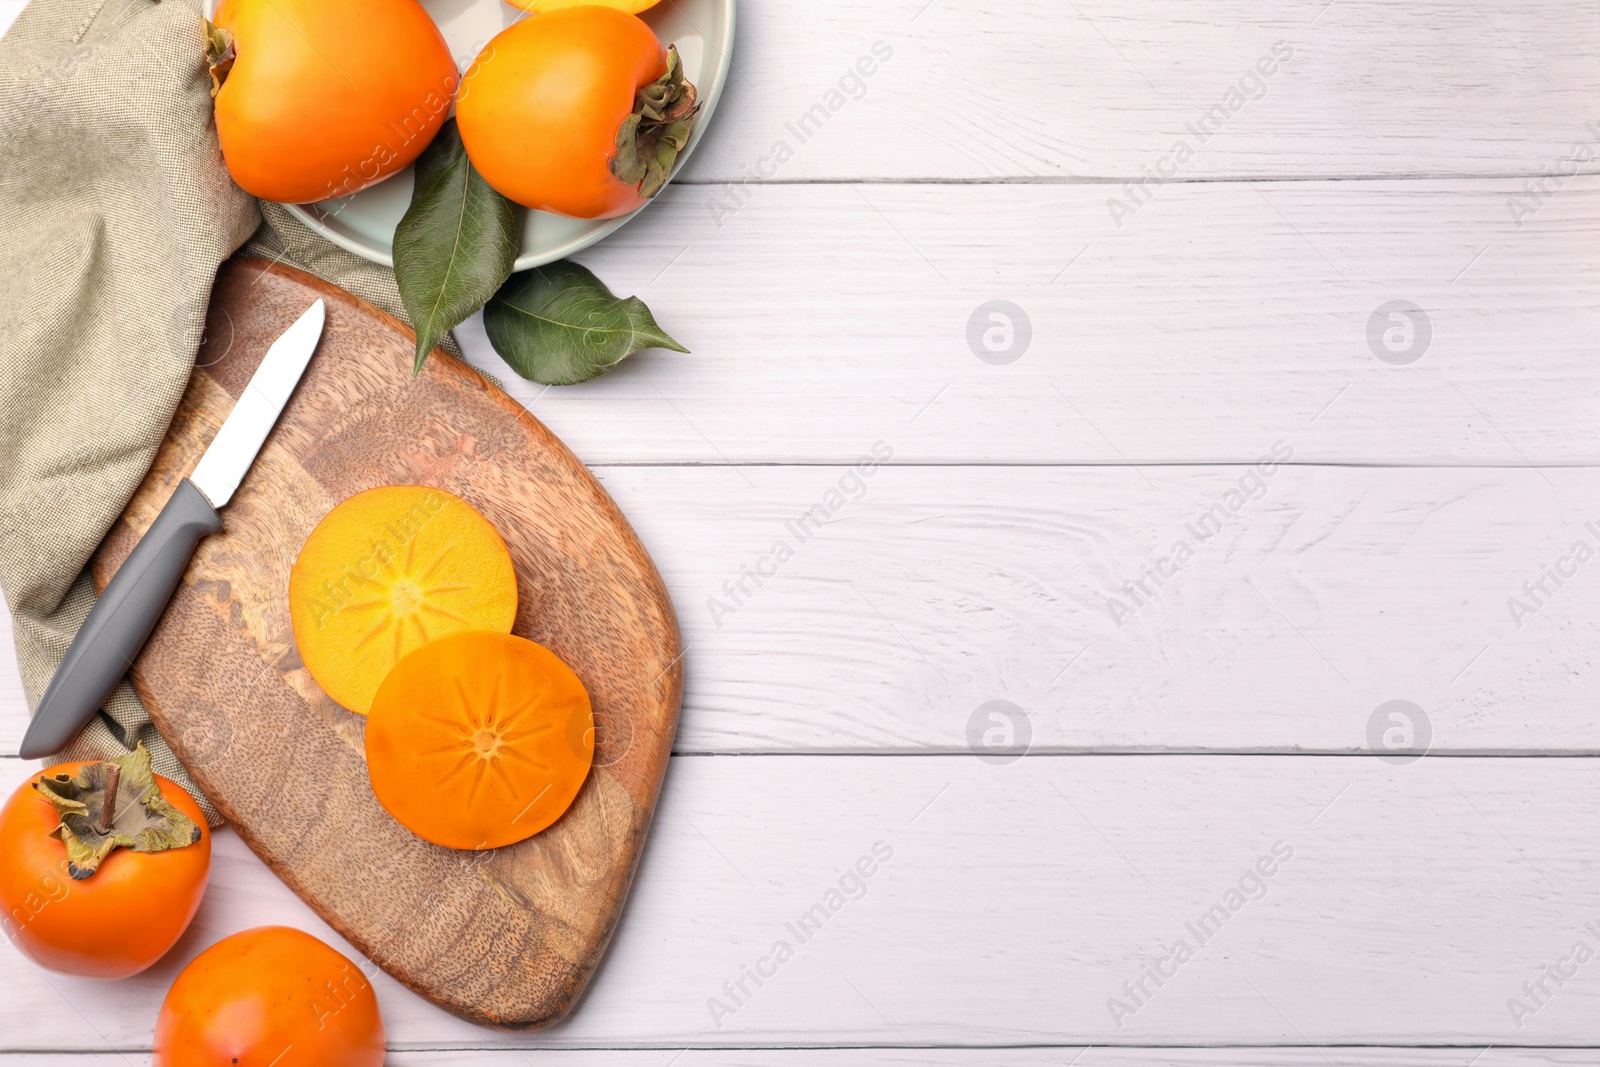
column 1180, row 735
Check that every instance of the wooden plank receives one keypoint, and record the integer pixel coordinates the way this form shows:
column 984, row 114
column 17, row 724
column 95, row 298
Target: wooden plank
column 1331, row 592
column 1097, row 1056
column 1021, row 903
column 1060, row 1056
column 1220, row 318
column 1035, row 90
column 1038, row 89
column 932, row 591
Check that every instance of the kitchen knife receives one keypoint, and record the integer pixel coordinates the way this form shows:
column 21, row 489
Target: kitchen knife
column 121, row 620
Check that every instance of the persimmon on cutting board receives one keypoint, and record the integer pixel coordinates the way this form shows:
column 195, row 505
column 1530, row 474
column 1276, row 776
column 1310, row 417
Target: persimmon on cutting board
column 508, row 938
column 385, row 572
column 479, row 740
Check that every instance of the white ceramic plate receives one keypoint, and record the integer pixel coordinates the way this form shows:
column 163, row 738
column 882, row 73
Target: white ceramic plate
column 365, row 223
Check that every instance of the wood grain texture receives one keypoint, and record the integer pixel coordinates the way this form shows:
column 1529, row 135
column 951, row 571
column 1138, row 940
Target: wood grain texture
column 1061, row 1056
column 930, row 591
column 1002, row 576
column 1219, row 318
column 1227, row 312
column 1018, row 901
column 1038, row 89
column 1087, row 1056
column 506, row 937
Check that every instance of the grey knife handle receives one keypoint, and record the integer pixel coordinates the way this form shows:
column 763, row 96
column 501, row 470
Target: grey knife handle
column 120, row 622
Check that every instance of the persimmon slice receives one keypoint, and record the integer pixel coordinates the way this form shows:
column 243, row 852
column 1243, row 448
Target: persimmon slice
column 479, row 739
column 385, row 572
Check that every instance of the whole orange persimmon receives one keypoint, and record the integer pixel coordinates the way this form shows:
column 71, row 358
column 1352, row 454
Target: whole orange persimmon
column 110, row 922
column 578, row 111
column 320, row 99
column 273, row 995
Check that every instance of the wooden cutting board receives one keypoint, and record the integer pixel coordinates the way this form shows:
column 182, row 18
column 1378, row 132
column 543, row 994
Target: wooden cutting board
column 506, row 937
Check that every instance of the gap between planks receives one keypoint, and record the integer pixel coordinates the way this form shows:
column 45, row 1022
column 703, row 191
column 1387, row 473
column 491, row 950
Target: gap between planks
column 936, row 591
column 933, row 1056
column 1015, row 900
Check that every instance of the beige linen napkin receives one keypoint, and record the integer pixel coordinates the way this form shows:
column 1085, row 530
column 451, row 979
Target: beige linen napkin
column 115, row 212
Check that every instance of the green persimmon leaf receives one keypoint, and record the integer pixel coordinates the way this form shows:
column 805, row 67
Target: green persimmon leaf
column 559, row 325
column 456, row 243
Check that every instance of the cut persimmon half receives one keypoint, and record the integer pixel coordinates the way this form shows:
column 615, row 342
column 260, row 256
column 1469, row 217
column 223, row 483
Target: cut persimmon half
column 479, row 739
column 385, row 572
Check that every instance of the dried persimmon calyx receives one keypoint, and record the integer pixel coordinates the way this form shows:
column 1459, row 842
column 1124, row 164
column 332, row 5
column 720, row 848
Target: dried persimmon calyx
column 650, row 139
column 220, row 55
column 114, row 804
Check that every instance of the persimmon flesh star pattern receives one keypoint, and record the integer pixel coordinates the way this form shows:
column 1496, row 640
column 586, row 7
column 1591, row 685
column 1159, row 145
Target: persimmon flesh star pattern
column 479, row 740
column 387, row 571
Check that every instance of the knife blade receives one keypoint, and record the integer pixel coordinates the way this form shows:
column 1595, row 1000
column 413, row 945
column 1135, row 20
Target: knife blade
column 111, row 638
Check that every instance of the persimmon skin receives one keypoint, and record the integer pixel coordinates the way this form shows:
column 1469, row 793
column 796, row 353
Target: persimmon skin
column 270, row 995
column 479, row 739
column 327, row 98
column 119, row 920
column 540, row 106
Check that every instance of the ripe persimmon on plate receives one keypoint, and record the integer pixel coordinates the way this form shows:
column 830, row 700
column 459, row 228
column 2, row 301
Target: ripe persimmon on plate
column 365, row 222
